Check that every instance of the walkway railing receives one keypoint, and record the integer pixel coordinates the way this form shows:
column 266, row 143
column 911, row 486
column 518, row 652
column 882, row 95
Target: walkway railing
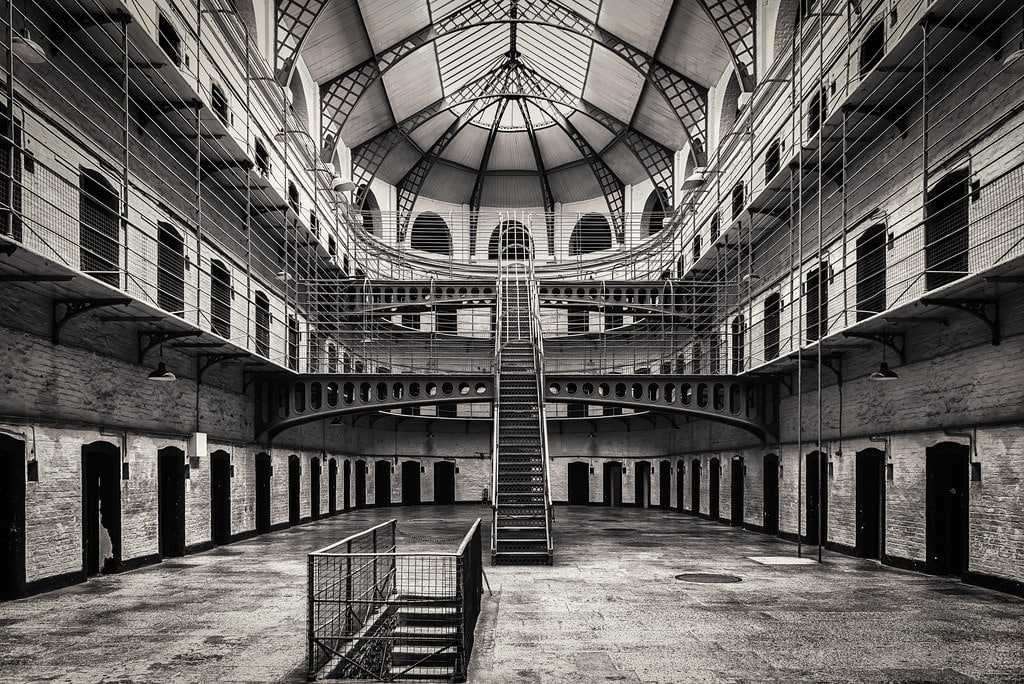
column 377, row 614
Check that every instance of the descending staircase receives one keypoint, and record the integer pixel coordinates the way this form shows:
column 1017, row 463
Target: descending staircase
column 522, row 505
column 425, row 642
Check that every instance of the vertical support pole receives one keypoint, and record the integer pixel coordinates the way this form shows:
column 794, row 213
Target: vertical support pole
column 924, row 123
column 310, row 632
column 8, row 132
column 249, row 342
column 822, row 271
column 126, row 143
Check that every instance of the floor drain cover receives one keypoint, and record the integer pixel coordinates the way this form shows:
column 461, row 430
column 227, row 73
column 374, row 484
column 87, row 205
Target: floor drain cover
column 707, row 578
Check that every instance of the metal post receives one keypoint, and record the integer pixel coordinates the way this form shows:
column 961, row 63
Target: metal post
column 8, row 132
column 126, row 142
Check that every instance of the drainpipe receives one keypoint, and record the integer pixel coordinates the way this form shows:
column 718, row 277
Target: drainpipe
column 971, row 437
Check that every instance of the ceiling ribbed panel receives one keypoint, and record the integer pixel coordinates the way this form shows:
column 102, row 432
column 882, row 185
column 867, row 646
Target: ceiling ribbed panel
column 656, row 120
column 597, row 135
column 613, row 83
column 506, row 190
column 449, row 184
column 586, row 8
column 693, row 46
column 560, row 55
column 337, row 41
column 425, row 135
column 467, row 148
column 556, row 148
column 413, row 83
column 638, row 23
column 467, row 55
column 442, row 8
column 398, row 163
column 512, row 151
column 371, row 116
column 390, row 21
column 574, row 184
column 625, row 164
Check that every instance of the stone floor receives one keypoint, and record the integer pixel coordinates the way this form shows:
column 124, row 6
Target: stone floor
column 610, row 610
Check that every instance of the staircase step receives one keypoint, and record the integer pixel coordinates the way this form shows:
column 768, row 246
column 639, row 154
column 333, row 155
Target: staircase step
column 421, row 673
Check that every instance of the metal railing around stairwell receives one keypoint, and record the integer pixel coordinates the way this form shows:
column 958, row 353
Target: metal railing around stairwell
column 537, row 333
column 498, row 315
column 374, row 613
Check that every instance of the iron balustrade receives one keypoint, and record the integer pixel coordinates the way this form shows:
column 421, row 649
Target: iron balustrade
column 376, row 613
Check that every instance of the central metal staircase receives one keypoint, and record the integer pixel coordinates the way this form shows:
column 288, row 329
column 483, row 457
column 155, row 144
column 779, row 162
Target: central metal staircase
column 522, row 502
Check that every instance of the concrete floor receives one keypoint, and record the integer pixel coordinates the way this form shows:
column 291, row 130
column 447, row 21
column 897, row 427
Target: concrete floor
column 610, row 610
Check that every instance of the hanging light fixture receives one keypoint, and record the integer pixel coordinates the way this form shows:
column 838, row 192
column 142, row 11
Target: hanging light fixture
column 884, row 372
column 27, row 50
column 160, row 373
column 339, row 184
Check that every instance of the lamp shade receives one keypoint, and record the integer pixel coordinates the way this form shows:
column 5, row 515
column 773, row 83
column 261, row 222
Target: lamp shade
column 161, row 374
column 884, row 373
column 28, row 50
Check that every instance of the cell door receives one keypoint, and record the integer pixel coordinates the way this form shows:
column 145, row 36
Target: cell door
column 613, row 484
column 332, row 486
column 642, row 484
column 444, row 482
column 314, row 488
column 171, row 501
column 816, row 500
column 346, row 486
column 946, row 506
column 410, row 482
column 294, row 497
column 382, row 483
column 870, row 501
column 695, row 487
column 736, row 490
column 579, row 483
column 770, row 494
column 220, row 497
column 665, row 485
column 360, row 484
column 101, row 508
column 12, row 518
column 264, row 472
column 714, row 483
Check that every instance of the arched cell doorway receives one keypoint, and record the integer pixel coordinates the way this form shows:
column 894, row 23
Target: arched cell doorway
column 220, row 497
column 870, row 502
column 946, row 505
column 101, row 508
column 170, row 494
column 736, row 490
column 264, row 473
column 369, row 209
column 612, row 478
column 815, row 499
column 431, row 234
column 592, row 233
column 360, row 484
column 714, row 484
column 511, row 241
column 770, row 493
column 410, row 482
column 332, row 486
column 314, row 488
column 680, row 486
column 665, row 485
column 294, row 497
column 655, row 209
column 642, row 484
column 695, row 487
column 578, row 477
column 12, row 518
column 382, row 483
column 444, row 482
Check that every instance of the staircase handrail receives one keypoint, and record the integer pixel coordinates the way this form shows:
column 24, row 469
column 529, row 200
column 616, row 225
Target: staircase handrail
column 538, row 350
column 496, row 414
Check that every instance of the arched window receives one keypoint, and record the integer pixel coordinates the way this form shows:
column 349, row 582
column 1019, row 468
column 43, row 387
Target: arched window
column 293, row 197
column 946, row 229
column 772, row 322
column 730, row 107
column 170, row 269
column 772, row 160
column 696, row 361
column 739, row 344
column 262, row 158
column 99, row 226
column 298, row 100
column 169, row 40
column 219, row 104
column 590, row 234
column 817, row 110
column 738, row 199
column 696, row 247
column 369, row 209
column 293, row 343
column 220, row 298
column 261, row 303
column 871, row 271
column 872, row 47
column 511, row 240
column 332, row 246
column 715, row 228
column 816, row 302
column 654, row 211
column 430, row 233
